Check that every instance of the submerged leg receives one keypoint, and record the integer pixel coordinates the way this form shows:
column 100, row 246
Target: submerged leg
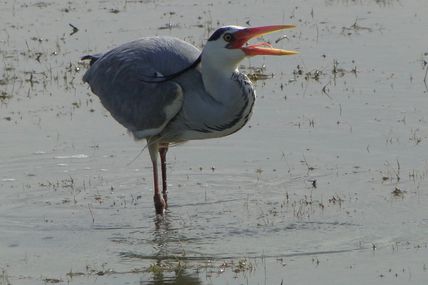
column 163, row 149
column 160, row 204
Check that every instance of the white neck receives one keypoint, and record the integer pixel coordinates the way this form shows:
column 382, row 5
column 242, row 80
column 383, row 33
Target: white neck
column 223, row 107
column 216, row 74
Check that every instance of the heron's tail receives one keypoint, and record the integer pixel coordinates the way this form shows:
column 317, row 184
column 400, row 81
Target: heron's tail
column 92, row 57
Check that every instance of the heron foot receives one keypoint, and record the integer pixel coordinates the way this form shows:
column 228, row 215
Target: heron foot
column 165, row 199
column 160, row 204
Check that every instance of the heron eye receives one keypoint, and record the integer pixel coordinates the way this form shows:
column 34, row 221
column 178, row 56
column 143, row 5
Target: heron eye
column 227, row 37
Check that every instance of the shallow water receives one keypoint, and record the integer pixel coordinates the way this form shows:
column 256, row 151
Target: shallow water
column 327, row 184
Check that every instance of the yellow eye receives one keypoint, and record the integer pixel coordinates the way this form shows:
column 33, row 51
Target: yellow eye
column 227, row 37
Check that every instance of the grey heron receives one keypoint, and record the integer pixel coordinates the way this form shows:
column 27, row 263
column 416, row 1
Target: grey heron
column 167, row 91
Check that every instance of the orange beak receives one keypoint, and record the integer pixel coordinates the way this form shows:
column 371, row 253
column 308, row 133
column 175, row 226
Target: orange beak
column 243, row 36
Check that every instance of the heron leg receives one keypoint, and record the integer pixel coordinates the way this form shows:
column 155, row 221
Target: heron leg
column 163, row 149
column 160, row 204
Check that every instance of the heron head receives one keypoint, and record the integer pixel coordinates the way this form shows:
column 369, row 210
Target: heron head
column 229, row 43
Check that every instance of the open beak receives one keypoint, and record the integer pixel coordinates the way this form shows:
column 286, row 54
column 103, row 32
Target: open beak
column 241, row 37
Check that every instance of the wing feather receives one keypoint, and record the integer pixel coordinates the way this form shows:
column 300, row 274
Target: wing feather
column 116, row 78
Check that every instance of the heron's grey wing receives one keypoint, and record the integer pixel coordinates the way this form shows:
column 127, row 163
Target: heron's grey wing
column 116, row 78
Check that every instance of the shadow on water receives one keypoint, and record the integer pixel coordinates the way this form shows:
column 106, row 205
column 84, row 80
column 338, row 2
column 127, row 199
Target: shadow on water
column 180, row 278
column 169, row 264
column 165, row 272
